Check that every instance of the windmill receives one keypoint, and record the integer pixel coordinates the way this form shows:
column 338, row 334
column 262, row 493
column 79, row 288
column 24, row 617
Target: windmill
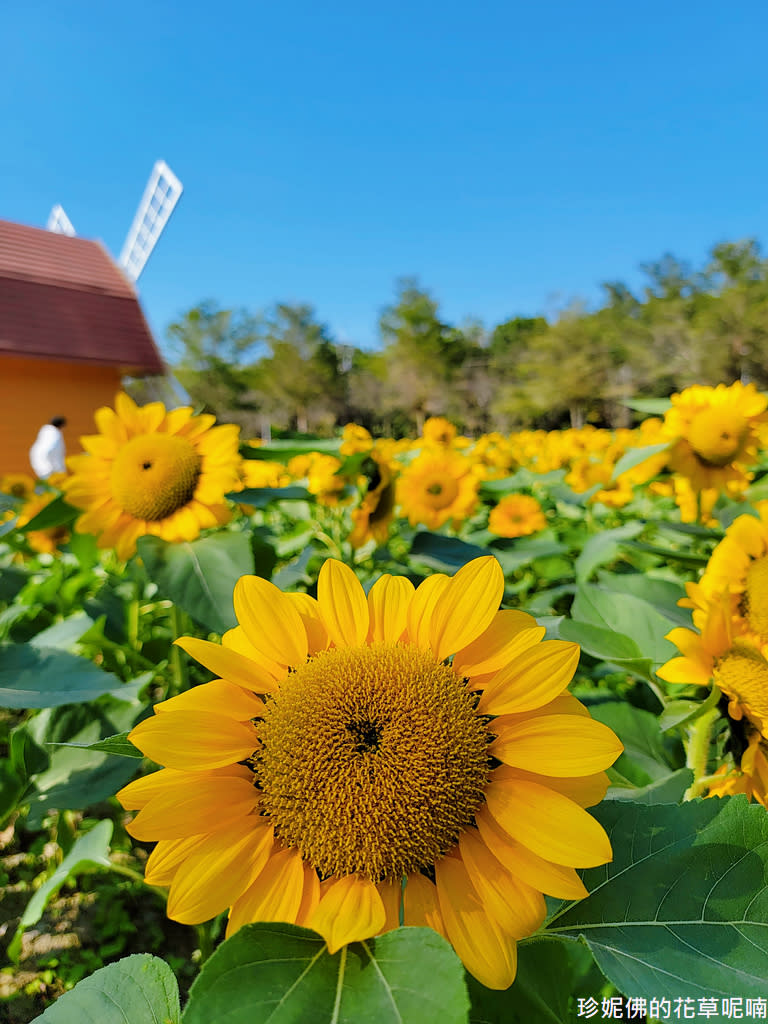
column 160, row 197
column 162, row 193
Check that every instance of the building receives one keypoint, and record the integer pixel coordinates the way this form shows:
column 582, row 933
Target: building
column 70, row 328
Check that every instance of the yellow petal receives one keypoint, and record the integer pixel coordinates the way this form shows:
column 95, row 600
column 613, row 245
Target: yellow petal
column 310, row 896
column 553, row 879
column 533, row 679
column 421, row 908
column 275, row 895
column 518, row 908
column 194, row 740
column 422, row 606
column 560, row 745
column 309, row 610
column 388, row 602
column 391, row 893
column 467, row 606
column 138, row 793
column 219, row 696
column 486, row 951
column 205, row 806
column 548, row 823
column 343, row 604
column 236, row 640
column 219, row 870
column 687, row 671
column 509, row 634
column 163, row 863
column 228, row 664
column 350, row 910
column 272, row 624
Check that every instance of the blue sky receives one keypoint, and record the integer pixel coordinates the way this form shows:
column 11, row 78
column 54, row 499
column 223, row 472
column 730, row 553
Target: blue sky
column 511, row 155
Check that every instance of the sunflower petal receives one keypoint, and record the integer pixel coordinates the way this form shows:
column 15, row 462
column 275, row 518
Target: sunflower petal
column 388, row 602
column 486, row 951
column 509, row 634
column 533, row 679
column 516, row 907
column 203, row 807
column 219, row 696
column 275, row 895
column 343, row 604
column 219, row 870
column 350, row 910
column 548, row 823
column 194, row 740
column 228, row 664
column 420, row 611
column 421, row 907
column 467, row 606
column 560, row 745
column 272, row 623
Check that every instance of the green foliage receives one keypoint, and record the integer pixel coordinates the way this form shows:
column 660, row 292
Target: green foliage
column 287, row 974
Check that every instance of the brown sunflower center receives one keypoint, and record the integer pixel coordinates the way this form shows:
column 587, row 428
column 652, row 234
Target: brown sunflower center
column 718, row 436
column 440, row 494
column 373, row 760
column 742, row 674
column 154, row 475
column 755, row 604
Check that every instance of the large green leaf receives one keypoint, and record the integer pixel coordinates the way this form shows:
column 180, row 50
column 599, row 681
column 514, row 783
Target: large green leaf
column 280, row 973
column 445, row 554
column 648, row 755
column 55, row 513
column 628, row 615
column 138, row 989
column 42, row 677
column 604, row 547
column 260, row 497
column 606, row 645
column 90, row 849
column 199, row 576
column 662, row 594
column 682, row 910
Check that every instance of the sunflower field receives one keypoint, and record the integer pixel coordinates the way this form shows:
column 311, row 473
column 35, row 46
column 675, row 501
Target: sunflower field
column 375, row 730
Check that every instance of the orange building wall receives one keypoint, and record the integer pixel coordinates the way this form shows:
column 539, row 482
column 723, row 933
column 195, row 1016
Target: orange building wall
column 32, row 391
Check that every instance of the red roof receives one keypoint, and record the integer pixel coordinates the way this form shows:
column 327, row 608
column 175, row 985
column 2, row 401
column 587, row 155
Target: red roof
column 64, row 298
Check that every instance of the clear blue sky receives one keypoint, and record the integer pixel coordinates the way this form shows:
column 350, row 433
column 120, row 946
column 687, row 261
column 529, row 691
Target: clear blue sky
column 511, row 155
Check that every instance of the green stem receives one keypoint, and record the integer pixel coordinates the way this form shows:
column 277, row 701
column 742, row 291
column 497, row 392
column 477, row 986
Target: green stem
column 133, row 625
column 699, row 735
column 205, row 941
column 179, row 679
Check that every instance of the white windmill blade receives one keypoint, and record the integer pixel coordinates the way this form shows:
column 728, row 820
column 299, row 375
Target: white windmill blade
column 59, row 222
column 160, row 197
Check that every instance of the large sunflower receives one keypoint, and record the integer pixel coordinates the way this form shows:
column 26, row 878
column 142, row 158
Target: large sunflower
column 716, row 433
column 345, row 774
column 154, row 471
column 437, row 486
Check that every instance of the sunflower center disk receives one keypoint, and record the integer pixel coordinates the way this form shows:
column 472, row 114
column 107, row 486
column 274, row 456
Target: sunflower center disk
column 154, row 475
column 441, row 493
column 744, row 677
column 756, row 597
column 373, row 760
column 717, row 436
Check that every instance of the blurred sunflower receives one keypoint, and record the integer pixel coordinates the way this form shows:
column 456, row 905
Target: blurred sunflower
column 343, row 771
column 517, row 515
column 17, row 485
column 438, row 431
column 437, row 486
column 43, row 541
column 715, row 433
column 372, row 517
column 152, row 471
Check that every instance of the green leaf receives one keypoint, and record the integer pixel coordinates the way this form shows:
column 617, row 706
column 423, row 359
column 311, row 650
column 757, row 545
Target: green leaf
column 682, row 910
column 599, row 642
column 669, row 789
column 281, row 973
column 199, row 576
column 446, row 554
column 650, row 406
column 260, row 497
column 523, row 551
column 55, row 513
column 138, row 989
column 12, row 786
column 41, row 677
column 119, row 744
column 648, row 754
column 65, row 633
column 662, row 594
column 11, row 582
column 90, row 849
column 636, row 457
column 604, row 547
column 667, row 554
column 680, row 712
column 628, row 615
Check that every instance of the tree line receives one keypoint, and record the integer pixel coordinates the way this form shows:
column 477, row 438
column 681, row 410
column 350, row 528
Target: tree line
column 282, row 368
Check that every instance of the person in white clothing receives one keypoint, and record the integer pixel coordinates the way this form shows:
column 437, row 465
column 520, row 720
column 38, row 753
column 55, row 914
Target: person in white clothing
column 47, row 453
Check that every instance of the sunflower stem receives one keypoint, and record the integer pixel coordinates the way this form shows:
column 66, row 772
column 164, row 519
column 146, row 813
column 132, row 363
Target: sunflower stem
column 132, row 624
column 699, row 735
column 179, row 679
column 205, row 941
